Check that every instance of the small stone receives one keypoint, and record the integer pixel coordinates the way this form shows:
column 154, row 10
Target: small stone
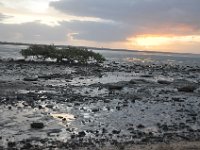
column 115, row 87
column 118, row 107
column 146, row 76
column 163, row 82
column 132, row 82
column 104, row 131
column 116, row 132
column 95, row 110
column 81, row 134
column 11, row 144
column 37, row 125
column 188, row 88
column 30, row 79
column 40, row 107
column 140, row 126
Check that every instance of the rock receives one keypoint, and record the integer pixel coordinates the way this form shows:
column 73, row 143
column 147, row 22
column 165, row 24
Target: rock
column 40, row 107
column 11, row 144
column 139, row 81
column 165, row 128
column 53, row 131
column 46, row 77
column 95, row 110
column 20, row 60
column 30, row 79
column 118, row 108
column 188, row 88
column 27, row 146
column 37, row 125
column 49, row 106
column 81, row 134
column 146, row 76
column 163, row 82
column 104, row 131
column 50, row 76
column 132, row 81
column 115, row 87
column 177, row 99
column 116, row 131
column 140, row 126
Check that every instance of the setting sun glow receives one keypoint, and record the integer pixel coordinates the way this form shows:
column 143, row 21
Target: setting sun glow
column 156, row 40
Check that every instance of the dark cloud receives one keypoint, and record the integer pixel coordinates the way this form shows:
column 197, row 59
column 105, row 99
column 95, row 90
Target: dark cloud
column 138, row 15
column 96, row 31
column 36, row 32
column 31, row 32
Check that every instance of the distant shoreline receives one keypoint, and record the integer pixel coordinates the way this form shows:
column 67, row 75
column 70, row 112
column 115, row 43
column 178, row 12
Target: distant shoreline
column 95, row 48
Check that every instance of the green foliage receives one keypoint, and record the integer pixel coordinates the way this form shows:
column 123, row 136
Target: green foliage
column 69, row 54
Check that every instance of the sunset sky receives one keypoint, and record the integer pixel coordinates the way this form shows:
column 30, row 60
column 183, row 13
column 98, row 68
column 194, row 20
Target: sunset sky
column 171, row 25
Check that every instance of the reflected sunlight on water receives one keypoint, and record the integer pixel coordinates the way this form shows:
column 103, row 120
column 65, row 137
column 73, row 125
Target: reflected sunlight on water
column 66, row 117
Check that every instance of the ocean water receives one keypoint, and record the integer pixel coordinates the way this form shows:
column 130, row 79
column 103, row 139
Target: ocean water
column 12, row 51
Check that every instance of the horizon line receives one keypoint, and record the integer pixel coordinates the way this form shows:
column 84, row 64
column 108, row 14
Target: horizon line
column 96, row 48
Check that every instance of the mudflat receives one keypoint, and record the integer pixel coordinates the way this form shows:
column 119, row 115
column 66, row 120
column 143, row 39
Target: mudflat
column 109, row 106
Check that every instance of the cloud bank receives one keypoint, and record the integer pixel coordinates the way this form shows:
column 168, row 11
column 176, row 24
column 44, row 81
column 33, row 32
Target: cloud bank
column 103, row 22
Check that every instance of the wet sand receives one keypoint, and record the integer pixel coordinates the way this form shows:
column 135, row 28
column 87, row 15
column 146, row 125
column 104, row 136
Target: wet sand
column 114, row 105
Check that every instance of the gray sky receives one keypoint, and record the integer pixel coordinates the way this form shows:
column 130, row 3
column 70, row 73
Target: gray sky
column 171, row 25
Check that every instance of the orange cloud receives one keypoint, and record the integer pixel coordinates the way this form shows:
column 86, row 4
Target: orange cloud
column 163, row 42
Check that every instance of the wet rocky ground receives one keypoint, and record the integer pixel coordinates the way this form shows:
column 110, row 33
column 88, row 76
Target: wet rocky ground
column 108, row 106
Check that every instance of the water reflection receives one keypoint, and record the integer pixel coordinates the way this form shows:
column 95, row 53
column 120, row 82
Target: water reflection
column 139, row 60
column 63, row 116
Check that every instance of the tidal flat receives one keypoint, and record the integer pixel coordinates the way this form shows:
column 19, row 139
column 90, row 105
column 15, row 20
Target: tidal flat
column 116, row 105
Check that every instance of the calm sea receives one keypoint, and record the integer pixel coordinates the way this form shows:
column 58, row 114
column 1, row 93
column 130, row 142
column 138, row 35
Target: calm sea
column 12, row 51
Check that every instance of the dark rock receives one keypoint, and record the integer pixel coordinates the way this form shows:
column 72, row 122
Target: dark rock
column 118, row 107
column 146, row 76
column 60, row 117
column 81, row 134
column 182, row 125
column 140, row 126
column 163, row 82
column 73, row 136
column 116, row 131
column 132, row 82
column 95, row 110
column 50, row 106
column 37, row 125
column 193, row 114
column 165, row 127
column 46, row 77
column 27, row 146
column 30, row 79
column 20, row 60
column 188, row 88
column 40, row 107
column 177, row 99
column 69, row 130
column 53, row 131
column 104, row 131
column 11, row 144
column 115, row 87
